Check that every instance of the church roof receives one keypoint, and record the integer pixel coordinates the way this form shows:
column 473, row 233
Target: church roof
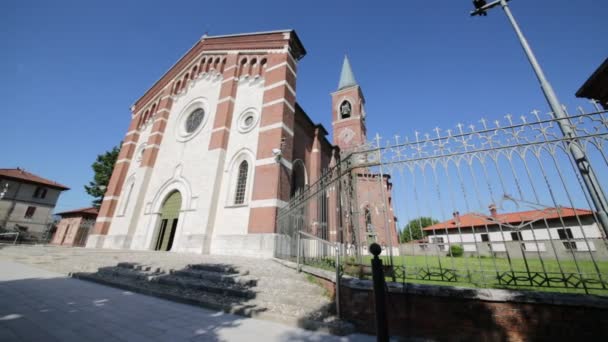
column 347, row 78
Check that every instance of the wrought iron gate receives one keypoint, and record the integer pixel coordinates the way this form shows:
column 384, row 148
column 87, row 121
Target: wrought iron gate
column 497, row 204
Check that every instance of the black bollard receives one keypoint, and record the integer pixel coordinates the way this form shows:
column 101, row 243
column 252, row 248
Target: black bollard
column 379, row 293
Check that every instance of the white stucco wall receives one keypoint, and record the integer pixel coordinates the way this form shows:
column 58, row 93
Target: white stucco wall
column 185, row 164
column 209, row 221
column 234, row 219
column 542, row 235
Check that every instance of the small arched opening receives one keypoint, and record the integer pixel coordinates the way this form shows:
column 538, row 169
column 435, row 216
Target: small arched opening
column 345, row 109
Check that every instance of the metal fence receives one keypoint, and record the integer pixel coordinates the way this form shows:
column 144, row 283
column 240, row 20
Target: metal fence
column 497, row 204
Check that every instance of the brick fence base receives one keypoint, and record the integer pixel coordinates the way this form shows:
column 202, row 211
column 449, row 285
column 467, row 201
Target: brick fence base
column 446, row 313
column 455, row 314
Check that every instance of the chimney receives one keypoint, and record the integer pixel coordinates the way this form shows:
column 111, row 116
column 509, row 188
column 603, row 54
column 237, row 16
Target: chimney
column 456, row 215
column 493, row 212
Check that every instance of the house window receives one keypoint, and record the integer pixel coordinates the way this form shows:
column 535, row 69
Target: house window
column 485, row 237
column 241, row 184
column 439, row 241
column 565, row 234
column 40, row 192
column 29, row 212
column 516, row 236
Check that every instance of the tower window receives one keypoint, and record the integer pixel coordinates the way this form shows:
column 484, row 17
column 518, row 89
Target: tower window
column 241, row 184
column 345, row 110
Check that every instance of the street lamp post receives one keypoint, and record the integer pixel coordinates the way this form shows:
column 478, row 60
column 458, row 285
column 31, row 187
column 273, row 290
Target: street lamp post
column 591, row 183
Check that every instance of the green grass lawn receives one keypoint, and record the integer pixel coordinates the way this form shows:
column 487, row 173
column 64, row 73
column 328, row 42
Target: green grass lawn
column 547, row 275
column 487, row 272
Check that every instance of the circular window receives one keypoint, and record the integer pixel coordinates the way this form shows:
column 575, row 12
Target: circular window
column 247, row 121
column 191, row 120
column 194, row 120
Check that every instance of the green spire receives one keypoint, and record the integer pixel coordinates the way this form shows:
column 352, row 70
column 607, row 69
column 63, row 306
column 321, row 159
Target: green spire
column 347, row 78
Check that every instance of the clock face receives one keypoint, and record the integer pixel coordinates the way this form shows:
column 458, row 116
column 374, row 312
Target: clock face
column 346, row 135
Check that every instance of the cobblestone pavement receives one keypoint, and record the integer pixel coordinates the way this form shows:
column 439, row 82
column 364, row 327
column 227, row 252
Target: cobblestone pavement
column 40, row 305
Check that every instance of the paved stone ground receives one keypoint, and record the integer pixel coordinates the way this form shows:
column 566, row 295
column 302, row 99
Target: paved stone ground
column 40, row 305
column 275, row 280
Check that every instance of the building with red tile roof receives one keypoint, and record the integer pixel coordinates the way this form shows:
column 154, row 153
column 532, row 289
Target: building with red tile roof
column 474, row 220
column 25, row 176
column 73, row 228
column 27, row 202
column 552, row 232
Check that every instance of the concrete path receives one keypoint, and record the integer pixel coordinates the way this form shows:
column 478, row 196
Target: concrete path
column 38, row 305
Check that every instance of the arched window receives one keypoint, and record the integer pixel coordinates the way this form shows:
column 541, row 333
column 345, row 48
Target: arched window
column 345, row 109
column 126, row 198
column 262, row 66
column 241, row 183
column 298, row 177
column 368, row 220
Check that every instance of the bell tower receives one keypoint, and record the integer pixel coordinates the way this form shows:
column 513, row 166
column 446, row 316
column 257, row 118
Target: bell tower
column 348, row 111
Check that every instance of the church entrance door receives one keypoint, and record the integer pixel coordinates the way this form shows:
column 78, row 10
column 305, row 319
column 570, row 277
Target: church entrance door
column 168, row 221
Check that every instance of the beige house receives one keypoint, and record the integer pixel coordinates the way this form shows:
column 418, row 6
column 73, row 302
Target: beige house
column 73, row 228
column 27, row 202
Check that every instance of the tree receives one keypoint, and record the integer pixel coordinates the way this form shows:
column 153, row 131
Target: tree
column 413, row 229
column 103, row 166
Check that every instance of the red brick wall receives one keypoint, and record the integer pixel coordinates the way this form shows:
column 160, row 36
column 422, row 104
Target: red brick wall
column 454, row 318
column 371, row 195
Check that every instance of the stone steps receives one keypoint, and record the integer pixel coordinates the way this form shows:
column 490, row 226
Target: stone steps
column 286, row 297
column 243, row 280
column 171, row 279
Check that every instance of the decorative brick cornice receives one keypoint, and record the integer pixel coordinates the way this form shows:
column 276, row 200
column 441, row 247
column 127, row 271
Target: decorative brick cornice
column 262, row 41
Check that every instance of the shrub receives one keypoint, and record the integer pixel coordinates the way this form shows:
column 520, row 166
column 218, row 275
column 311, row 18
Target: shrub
column 456, row 250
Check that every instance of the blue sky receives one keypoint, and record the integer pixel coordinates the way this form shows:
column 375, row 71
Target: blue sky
column 71, row 69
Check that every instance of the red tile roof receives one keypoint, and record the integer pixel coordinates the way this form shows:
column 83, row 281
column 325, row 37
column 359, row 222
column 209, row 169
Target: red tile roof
column 88, row 210
column 479, row 220
column 21, row 174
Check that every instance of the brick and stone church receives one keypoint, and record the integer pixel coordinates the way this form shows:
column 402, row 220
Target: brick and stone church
column 218, row 144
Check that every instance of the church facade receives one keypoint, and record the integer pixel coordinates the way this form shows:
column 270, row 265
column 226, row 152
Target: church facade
column 218, row 144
